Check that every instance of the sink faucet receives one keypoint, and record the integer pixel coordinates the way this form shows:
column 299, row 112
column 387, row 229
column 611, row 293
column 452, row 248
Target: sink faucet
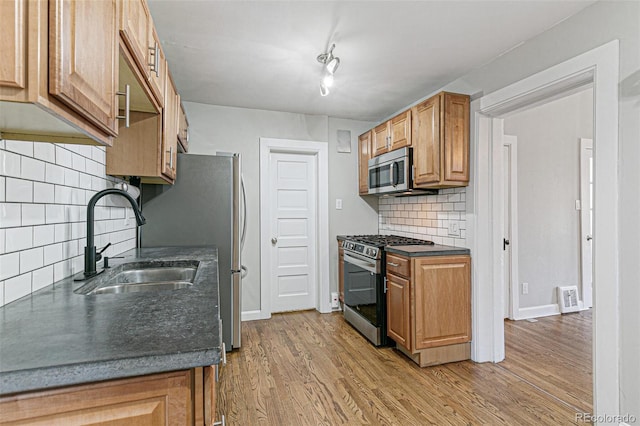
column 90, row 255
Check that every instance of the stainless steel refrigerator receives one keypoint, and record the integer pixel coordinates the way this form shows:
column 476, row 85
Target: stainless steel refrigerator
column 205, row 206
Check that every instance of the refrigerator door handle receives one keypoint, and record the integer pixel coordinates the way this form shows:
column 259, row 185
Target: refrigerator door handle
column 244, row 213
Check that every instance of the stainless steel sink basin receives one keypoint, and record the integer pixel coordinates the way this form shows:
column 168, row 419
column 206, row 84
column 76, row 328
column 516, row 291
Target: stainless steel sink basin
column 143, row 276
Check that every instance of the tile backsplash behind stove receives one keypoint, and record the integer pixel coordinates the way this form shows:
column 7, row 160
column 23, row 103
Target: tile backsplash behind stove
column 44, row 191
column 426, row 217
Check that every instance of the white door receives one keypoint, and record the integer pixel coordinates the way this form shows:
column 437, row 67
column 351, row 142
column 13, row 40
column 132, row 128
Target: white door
column 293, row 199
column 586, row 220
column 509, row 154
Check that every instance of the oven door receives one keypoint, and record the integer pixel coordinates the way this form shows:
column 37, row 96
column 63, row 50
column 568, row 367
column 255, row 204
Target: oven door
column 363, row 288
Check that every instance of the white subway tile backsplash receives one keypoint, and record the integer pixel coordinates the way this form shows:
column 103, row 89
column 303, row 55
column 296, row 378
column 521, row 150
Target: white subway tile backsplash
column 18, row 239
column 20, row 147
column 33, row 214
column 78, row 162
column 19, row 190
column 63, row 157
column 41, row 278
column 54, row 213
column 10, row 215
column 9, row 164
column 43, row 235
column 53, row 254
column 31, row 259
column 54, row 174
column 44, row 151
column 17, row 287
column 32, row 169
column 43, row 192
column 9, row 265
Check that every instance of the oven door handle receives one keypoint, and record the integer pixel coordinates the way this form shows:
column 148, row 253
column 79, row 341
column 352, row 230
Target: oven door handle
column 368, row 266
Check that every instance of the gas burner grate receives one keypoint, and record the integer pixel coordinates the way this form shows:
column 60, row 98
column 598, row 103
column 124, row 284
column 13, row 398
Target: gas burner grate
column 386, row 240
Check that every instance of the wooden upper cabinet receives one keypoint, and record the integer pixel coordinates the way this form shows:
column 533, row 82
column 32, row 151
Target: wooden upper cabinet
column 392, row 134
column 426, row 134
column 380, row 139
column 135, row 30
column 364, row 155
column 170, row 130
column 157, row 66
column 442, row 298
column 83, row 59
column 183, row 129
column 13, row 43
column 400, row 131
column 441, row 141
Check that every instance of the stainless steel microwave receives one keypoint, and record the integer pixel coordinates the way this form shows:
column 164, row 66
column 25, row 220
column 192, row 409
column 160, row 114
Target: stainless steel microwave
column 391, row 173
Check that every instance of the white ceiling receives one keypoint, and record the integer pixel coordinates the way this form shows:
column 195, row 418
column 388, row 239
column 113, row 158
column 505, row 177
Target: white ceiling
column 262, row 54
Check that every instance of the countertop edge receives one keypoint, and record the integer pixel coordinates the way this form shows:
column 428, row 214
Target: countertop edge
column 14, row 382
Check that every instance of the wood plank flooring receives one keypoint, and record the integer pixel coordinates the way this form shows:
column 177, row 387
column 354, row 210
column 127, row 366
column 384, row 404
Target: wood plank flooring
column 307, row 368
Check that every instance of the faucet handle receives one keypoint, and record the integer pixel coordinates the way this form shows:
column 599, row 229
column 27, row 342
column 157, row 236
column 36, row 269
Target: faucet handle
column 99, row 254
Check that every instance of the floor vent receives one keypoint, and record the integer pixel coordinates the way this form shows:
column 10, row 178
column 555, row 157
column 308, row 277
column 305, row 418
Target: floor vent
column 568, row 299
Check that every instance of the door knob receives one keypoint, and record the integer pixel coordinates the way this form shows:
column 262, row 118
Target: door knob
column 589, row 238
column 274, row 240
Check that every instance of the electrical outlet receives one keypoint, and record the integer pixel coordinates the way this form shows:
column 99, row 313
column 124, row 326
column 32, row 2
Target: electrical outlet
column 454, row 229
column 334, row 300
column 525, row 288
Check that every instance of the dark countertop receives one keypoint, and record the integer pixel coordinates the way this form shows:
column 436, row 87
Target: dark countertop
column 56, row 337
column 434, row 250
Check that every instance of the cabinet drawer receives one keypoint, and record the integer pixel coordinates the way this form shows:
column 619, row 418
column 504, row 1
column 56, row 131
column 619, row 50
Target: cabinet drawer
column 398, row 265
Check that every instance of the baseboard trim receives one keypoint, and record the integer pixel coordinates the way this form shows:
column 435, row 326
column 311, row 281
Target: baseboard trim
column 254, row 315
column 538, row 311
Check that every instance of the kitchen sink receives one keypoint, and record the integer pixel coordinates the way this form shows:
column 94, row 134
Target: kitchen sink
column 142, row 276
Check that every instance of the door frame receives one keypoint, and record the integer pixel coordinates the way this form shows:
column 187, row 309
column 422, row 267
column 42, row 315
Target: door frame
column 514, row 291
column 599, row 67
column 320, row 151
column 587, row 296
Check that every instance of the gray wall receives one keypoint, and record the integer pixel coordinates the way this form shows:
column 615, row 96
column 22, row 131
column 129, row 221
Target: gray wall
column 548, row 167
column 594, row 26
column 217, row 128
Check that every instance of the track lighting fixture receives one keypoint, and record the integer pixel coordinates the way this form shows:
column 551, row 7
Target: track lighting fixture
column 331, row 64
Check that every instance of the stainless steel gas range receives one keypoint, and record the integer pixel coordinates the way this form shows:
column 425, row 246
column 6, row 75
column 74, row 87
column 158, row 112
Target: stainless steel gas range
column 365, row 305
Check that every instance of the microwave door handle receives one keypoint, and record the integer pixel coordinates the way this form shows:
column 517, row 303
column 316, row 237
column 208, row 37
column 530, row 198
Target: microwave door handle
column 392, row 176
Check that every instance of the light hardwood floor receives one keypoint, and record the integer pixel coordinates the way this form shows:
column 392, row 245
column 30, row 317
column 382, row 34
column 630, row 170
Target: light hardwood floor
column 305, row 368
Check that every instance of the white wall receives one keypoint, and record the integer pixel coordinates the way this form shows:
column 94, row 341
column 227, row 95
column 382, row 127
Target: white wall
column 217, row 128
column 44, row 191
column 594, row 26
column 548, row 185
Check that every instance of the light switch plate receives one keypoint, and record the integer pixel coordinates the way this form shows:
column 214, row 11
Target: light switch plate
column 338, row 203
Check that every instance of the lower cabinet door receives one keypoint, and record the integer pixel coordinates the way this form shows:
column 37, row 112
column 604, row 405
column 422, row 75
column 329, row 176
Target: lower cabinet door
column 442, row 298
column 159, row 399
column 398, row 310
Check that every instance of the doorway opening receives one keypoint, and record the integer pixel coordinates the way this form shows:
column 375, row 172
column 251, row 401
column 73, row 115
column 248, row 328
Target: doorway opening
column 598, row 67
column 294, row 249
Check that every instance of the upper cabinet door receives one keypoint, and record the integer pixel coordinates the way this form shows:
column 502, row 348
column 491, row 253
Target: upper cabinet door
column 380, row 139
column 456, row 138
column 400, row 131
column 13, row 43
column 364, row 155
column 157, row 67
column 83, row 59
column 426, row 141
column 135, row 27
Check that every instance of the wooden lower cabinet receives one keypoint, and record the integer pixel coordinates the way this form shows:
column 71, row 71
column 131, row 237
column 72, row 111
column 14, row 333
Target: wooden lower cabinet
column 177, row 398
column 429, row 309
